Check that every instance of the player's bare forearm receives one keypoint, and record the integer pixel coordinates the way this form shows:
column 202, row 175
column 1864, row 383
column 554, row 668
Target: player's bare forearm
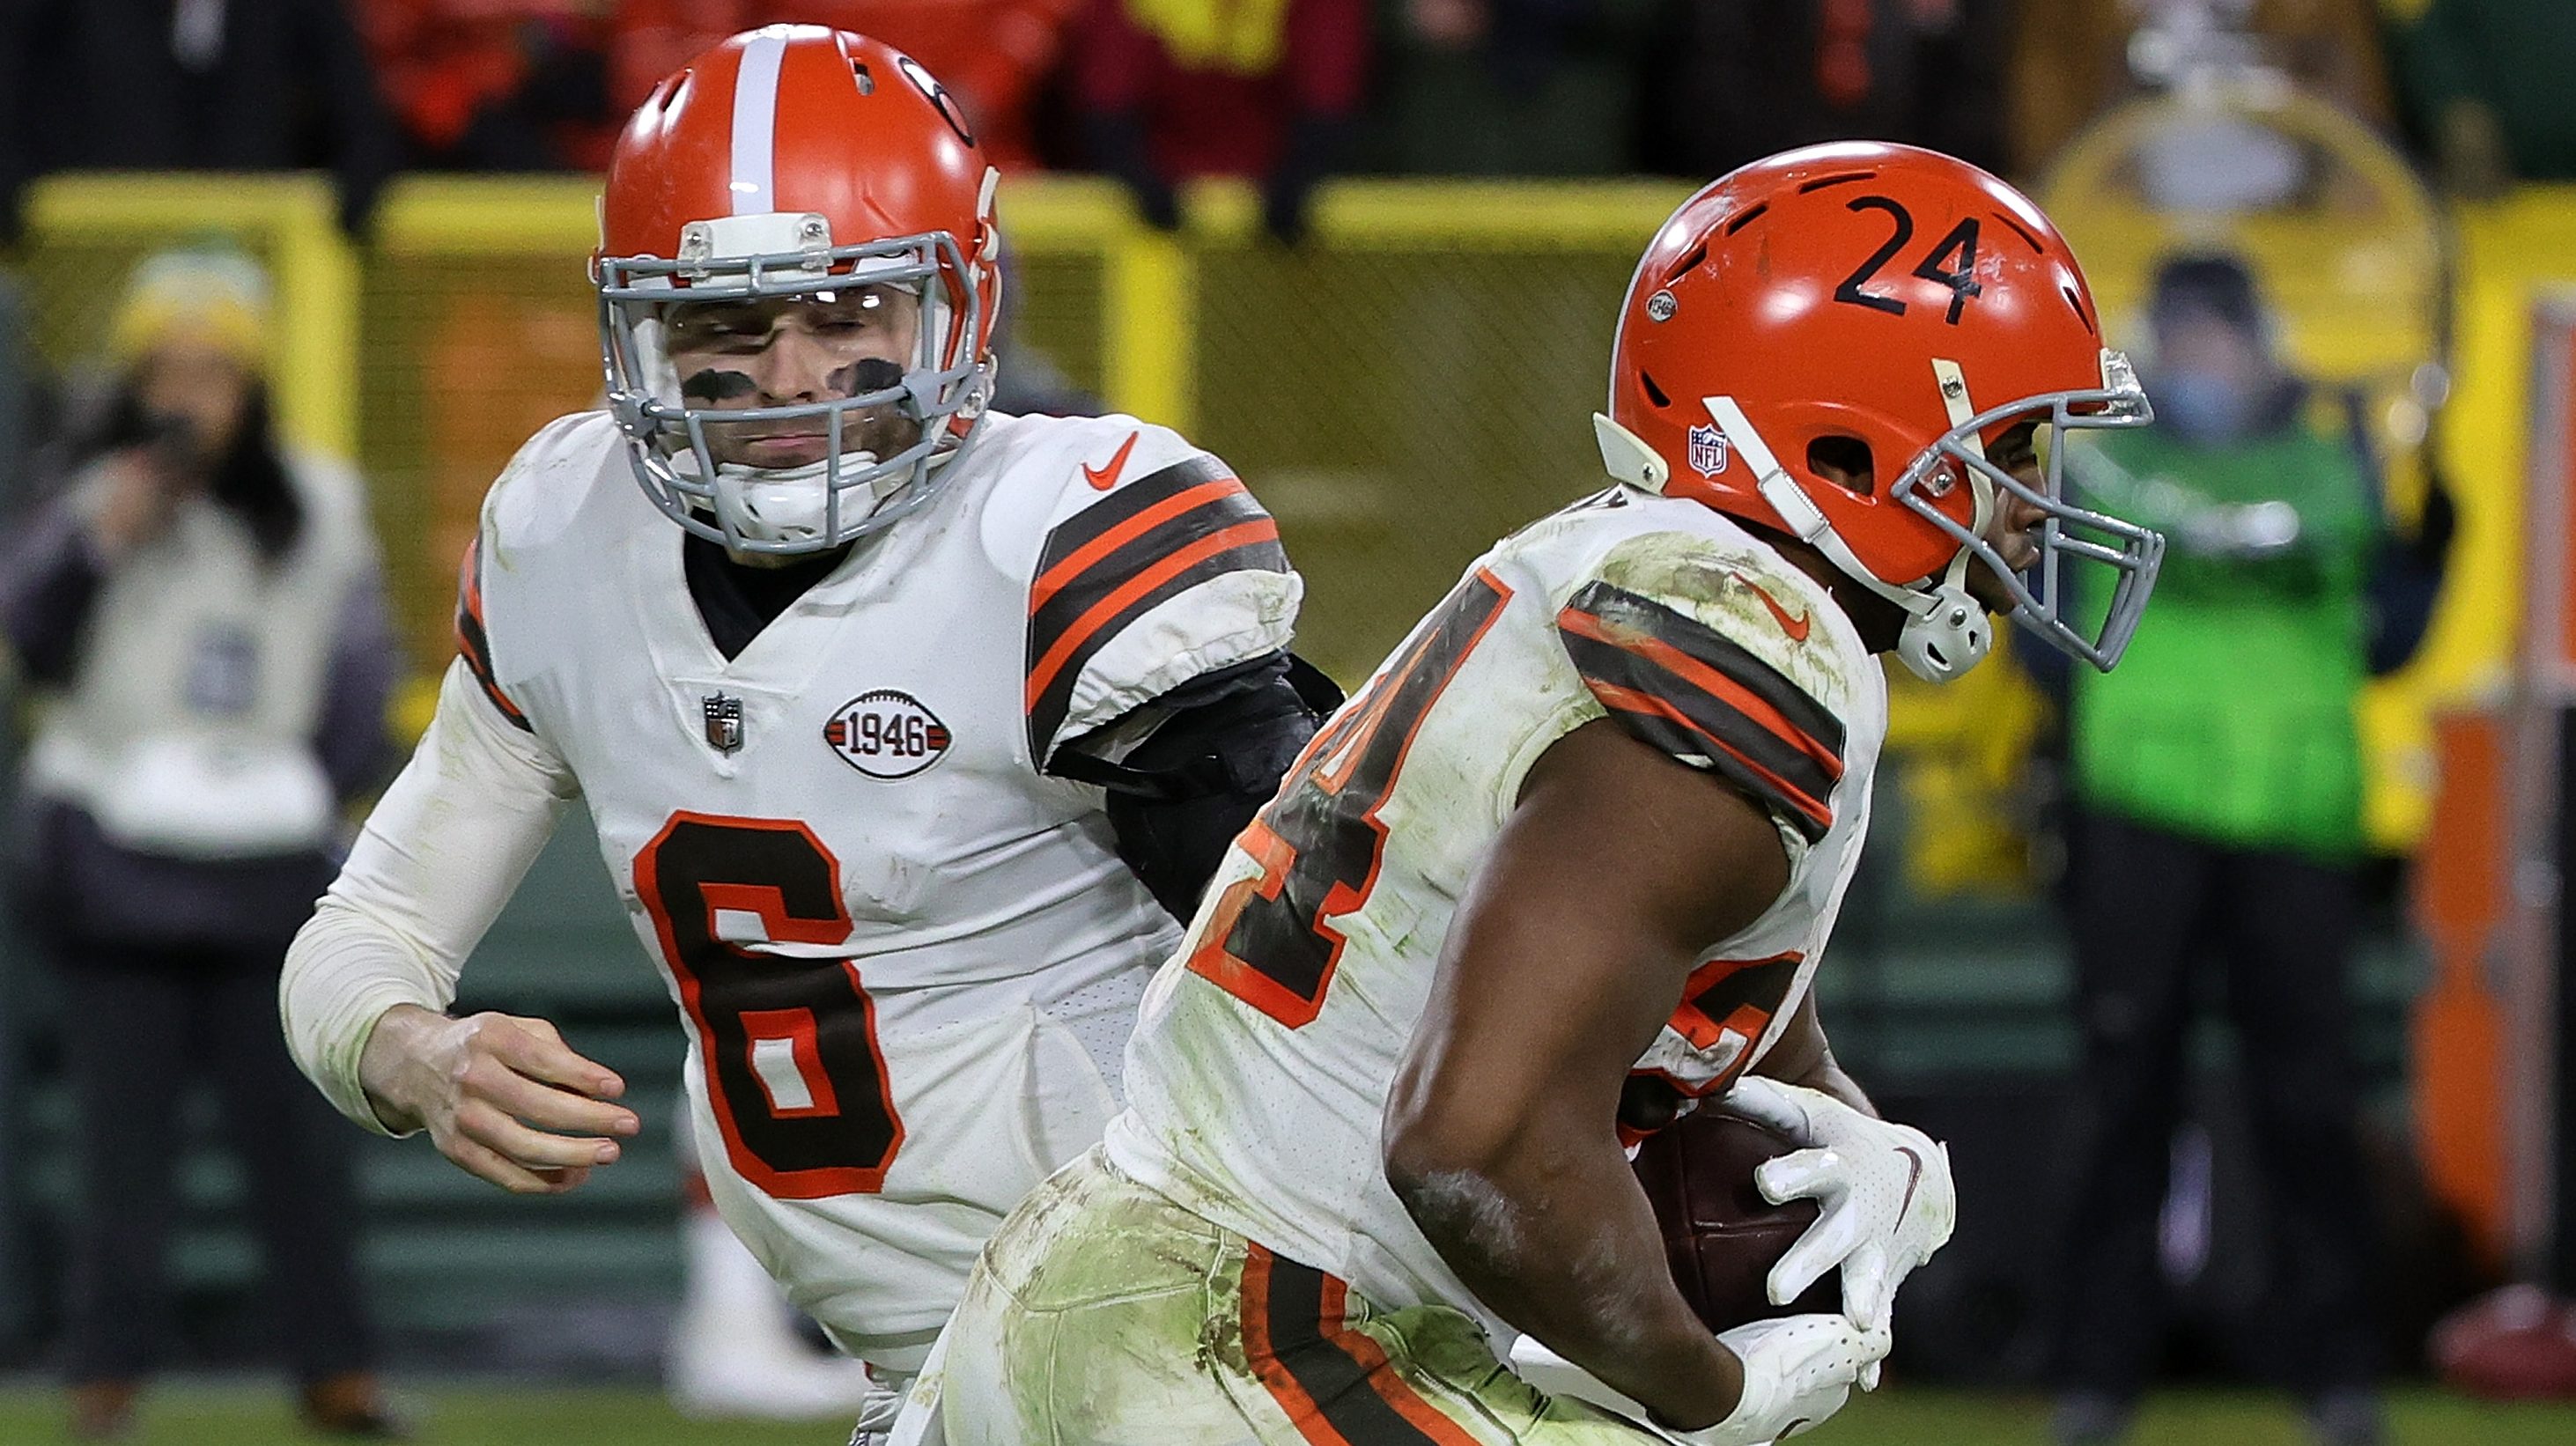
column 1803, row 1056
column 1565, row 959
column 1555, row 1237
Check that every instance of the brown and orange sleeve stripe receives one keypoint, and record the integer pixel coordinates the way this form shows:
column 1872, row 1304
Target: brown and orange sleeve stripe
column 474, row 642
column 1125, row 555
column 1682, row 686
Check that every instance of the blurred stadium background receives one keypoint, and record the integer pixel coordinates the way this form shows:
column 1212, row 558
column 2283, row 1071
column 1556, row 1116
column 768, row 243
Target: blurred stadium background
column 1405, row 385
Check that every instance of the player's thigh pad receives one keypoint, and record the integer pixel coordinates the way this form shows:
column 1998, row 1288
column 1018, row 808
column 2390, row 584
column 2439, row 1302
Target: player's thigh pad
column 1104, row 1315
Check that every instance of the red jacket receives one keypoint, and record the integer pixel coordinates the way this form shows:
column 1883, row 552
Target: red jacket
column 1217, row 122
column 991, row 54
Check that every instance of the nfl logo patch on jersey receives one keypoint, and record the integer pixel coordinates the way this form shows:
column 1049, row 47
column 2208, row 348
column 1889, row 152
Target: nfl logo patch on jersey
column 887, row 734
column 1707, row 451
column 724, row 721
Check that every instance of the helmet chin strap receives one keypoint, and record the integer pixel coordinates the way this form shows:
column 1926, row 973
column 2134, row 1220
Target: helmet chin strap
column 787, row 504
column 1946, row 630
column 783, row 504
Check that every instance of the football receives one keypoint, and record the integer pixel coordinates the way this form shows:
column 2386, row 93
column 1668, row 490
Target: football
column 1720, row 1236
column 2516, row 1344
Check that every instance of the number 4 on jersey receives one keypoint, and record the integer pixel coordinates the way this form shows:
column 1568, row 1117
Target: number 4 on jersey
column 1271, row 942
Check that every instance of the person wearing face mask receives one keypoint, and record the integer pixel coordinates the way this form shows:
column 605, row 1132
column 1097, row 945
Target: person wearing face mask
column 2216, row 782
column 201, row 617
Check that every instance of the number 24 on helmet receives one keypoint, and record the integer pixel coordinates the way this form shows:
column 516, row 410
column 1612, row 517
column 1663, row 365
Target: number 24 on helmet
column 1907, row 302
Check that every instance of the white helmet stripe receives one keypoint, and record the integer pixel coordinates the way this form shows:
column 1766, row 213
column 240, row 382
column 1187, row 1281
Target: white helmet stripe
column 755, row 121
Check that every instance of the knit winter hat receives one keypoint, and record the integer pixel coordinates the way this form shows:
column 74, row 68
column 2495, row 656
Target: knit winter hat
column 211, row 294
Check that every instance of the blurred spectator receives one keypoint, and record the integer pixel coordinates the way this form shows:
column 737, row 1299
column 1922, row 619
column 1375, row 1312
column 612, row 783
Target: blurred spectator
column 227, row 85
column 1173, row 89
column 1728, row 81
column 203, row 616
column 2485, row 86
column 2093, row 53
column 995, row 56
column 495, row 85
column 17, row 365
column 1513, row 87
column 18, row 385
column 2216, row 779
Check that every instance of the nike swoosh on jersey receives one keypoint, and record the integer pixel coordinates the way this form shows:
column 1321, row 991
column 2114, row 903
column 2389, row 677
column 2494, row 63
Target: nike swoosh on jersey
column 1796, row 628
column 1104, row 478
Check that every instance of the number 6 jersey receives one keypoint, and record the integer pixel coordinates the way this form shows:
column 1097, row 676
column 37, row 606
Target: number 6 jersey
column 1269, row 1042
column 906, row 957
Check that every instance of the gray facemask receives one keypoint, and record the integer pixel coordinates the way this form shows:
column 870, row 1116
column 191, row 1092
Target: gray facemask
column 852, row 492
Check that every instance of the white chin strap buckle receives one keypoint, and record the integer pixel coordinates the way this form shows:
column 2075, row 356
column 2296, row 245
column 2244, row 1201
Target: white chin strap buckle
column 1946, row 631
column 1946, row 639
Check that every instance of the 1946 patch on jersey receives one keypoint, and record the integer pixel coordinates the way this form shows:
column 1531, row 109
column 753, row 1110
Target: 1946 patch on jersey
column 887, row 733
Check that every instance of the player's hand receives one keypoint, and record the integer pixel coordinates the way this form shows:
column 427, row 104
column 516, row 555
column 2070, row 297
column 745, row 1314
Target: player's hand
column 1883, row 1188
column 502, row 1096
column 1798, row 1370
column 134, row 502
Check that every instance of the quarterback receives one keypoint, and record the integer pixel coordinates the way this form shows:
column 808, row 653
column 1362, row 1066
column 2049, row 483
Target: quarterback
column 1564, row 868
column 908, row 727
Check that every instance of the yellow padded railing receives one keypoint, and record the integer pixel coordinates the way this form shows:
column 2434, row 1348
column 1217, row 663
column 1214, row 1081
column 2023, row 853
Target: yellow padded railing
column 1411, row 384
column 85, row 231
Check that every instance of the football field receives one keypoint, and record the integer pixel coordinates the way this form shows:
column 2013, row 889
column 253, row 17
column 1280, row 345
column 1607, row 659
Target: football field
column 201, row 1413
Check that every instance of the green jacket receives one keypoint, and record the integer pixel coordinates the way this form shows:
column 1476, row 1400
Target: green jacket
column 2509, row 55
column 2231, row 716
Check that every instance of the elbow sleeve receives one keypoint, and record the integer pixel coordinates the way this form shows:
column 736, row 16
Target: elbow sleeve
column 1178, row 798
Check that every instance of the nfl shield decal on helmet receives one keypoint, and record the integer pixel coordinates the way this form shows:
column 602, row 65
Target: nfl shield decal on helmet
column 886, row 733
column 1707, row 451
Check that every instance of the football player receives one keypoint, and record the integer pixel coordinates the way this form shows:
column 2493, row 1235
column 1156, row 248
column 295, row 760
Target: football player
column 908, row 727
column 1564, row 868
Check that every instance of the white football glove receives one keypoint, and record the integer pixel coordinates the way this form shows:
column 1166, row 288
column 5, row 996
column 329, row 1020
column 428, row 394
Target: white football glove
column 1798, row 1370
column 877, row 1413
column 1883, row 1188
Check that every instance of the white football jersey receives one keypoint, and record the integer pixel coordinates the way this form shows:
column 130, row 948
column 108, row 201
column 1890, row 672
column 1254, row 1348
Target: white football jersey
column 1269, row 1043
column 876, row 914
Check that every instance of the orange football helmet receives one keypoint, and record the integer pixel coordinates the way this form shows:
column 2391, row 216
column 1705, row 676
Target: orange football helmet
column 790, row 161
column 1909, row 302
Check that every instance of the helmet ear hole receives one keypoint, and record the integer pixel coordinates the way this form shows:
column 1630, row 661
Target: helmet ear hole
column 1843, row 461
